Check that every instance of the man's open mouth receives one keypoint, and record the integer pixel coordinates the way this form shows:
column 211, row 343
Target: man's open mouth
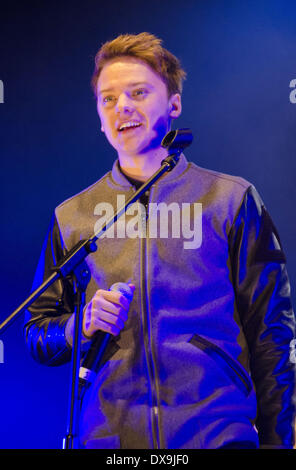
column 128, row 126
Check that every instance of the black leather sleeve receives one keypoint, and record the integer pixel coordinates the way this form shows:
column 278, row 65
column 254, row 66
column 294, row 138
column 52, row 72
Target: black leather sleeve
column 264, row 303
column 47, row 317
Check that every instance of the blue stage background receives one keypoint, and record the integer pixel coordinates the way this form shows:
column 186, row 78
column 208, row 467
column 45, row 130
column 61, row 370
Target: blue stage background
column 240, row 60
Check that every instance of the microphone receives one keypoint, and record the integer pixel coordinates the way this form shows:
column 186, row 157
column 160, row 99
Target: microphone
column 88, row 369
column 178, row 139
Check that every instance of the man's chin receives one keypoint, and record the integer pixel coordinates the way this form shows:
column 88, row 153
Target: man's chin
column 133, row 149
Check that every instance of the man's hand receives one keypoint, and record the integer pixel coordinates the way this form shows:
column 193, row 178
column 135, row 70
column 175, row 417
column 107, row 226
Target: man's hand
column 107, row 311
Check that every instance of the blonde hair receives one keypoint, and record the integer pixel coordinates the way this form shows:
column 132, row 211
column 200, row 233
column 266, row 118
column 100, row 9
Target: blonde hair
column 145, row 47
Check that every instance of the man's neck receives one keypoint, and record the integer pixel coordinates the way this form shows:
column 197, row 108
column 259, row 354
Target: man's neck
column 142, row 167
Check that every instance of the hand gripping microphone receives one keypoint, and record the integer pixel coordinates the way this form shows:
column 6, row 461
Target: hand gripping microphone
column 88, row 369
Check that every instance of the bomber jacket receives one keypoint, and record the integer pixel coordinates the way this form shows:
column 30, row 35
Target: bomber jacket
column 205, row 356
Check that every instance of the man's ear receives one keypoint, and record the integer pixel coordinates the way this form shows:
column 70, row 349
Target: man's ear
column 175, row 106
column 102, row 129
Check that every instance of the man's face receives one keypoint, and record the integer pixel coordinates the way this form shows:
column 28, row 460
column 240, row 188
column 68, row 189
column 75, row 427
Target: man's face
column 134, row 106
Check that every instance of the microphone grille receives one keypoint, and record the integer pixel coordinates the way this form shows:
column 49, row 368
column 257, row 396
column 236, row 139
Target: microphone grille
column 123, row 289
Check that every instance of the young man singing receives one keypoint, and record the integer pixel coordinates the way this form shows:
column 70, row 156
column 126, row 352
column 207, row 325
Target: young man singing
column 200, row 358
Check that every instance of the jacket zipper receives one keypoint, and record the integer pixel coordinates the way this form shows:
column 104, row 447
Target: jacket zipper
column 146, row 320
column 230, row 367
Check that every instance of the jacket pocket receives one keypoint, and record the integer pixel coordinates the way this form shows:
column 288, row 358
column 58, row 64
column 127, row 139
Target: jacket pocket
column 229, row 365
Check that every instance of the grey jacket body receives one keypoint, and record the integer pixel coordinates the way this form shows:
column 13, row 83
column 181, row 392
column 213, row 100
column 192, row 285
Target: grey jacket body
column 210, row 322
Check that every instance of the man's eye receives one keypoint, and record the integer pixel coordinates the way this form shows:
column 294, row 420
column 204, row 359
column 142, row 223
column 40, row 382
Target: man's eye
column 108, row 99
column 139, row 93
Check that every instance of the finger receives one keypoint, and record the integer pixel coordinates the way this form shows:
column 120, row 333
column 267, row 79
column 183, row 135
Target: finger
column 113, row 297
column 106, row 327
column 103, row 304
column 102, row 320
column 133, row 287
column 108, row 318
column 113, row 326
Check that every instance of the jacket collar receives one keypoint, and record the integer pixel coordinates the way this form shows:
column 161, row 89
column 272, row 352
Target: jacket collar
column 120, row 180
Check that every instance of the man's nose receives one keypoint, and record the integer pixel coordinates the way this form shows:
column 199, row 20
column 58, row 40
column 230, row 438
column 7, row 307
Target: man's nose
column 124, row 104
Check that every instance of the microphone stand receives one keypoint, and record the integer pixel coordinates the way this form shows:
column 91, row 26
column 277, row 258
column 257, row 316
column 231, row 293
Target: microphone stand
column 74, row 264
